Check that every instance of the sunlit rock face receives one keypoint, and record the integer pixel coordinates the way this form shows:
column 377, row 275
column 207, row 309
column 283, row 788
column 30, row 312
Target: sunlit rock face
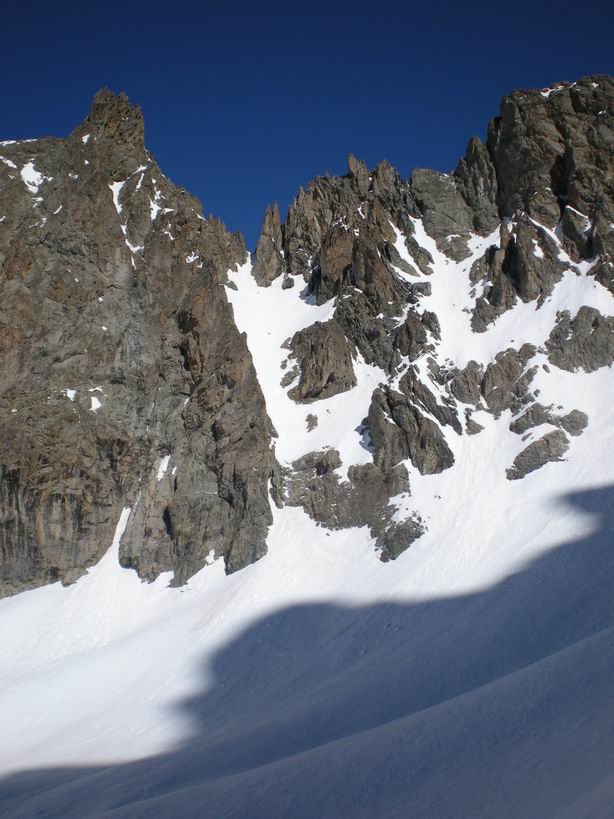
column 147, row 360
column 119, row 353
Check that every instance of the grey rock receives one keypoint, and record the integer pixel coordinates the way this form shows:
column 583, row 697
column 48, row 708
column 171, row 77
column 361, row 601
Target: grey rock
column 476, row 179
column 577, row 234
column 332, row 270
column 172, row 376
column 411, row 338
column 360, row 174
column 574, row 423
column 585, row 342
column 445, row 212
column 269, row 260
column 399, row 431
column 312, row 421
column 109, row 342
column 290, row 375
column 314, row 485
column 533, row 275
column 398, row 537
column 361, row 500
column 534, row 416
column 526, row 266
column 466, row 384
column 324, row 358
column 553, row 150
column 396, row 260
column 372, row 335
column 602, row 246
column 372, row 275
column 499, row 293
column 505, row 384
column 472, row 426
column 445, row 413
column 501, row 296
column 550, row 447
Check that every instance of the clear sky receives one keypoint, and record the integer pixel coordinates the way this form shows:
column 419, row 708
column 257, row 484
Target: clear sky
column 246, row 101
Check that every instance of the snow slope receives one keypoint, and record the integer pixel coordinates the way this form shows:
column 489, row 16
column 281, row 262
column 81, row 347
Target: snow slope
column 270, row 316
column 473, row 671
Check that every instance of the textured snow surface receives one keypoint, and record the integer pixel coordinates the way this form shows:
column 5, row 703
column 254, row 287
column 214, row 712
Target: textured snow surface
column 471, row 677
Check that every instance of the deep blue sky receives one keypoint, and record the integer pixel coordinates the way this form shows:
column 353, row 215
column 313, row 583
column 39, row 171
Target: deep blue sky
column 246, row 101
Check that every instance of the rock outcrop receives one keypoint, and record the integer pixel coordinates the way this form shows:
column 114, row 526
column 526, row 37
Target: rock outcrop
column 585, row 342
column 573, row 422
column 324, row 360
column 360, row 500
column 551, row 447
column 269, row 260
column 125, row 381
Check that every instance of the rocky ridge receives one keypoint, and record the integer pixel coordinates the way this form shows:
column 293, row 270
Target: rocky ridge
column 520, row 212
column 431, row 308
column 124, row 378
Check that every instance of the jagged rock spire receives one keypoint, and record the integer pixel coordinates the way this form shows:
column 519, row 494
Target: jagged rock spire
column 269, row 262
column 112, row 116
column 359, row 173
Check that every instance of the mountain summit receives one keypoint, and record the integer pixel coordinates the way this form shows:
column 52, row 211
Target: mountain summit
column 366, row 472
column 408, row 314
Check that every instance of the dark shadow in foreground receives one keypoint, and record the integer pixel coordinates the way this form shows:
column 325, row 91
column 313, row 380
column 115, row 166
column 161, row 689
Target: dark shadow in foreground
column 498, row 703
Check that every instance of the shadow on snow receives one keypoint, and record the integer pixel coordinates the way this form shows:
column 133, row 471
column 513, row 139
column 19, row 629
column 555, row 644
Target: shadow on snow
column 496, row 703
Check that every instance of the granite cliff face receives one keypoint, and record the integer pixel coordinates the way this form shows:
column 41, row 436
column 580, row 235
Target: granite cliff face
column 396, row 320
column 124, row 378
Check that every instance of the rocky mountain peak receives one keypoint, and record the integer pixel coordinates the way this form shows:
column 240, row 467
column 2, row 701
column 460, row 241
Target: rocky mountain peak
column 360, row 173
column 115, row 318
column 268, row 264
column 376, row 332
column 113, row 117
column 399, row 408
column 552, row 148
